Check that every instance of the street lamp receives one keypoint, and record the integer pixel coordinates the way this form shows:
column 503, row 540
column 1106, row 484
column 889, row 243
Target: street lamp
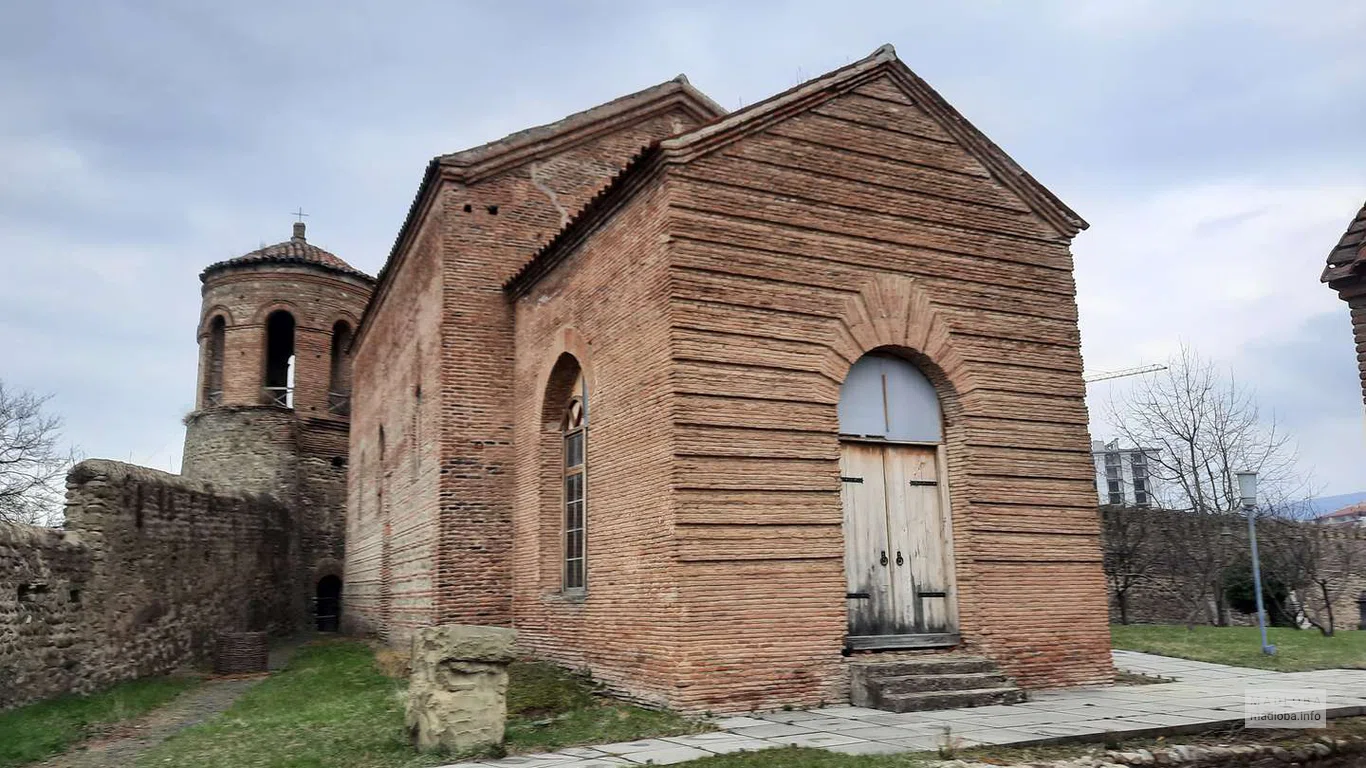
column 1247, row 493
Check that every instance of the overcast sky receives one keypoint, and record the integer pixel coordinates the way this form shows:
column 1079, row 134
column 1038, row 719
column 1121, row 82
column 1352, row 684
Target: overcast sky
column 1215, row 147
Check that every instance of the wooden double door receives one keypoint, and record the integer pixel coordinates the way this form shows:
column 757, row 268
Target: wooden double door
column 897, row 547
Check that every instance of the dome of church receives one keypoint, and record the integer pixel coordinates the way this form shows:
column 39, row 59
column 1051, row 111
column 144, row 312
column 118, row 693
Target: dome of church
column 295, row 250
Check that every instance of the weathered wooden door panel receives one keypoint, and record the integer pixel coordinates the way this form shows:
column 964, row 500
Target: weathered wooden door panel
column 866, row 561
column 896, row 541
column 918, row 529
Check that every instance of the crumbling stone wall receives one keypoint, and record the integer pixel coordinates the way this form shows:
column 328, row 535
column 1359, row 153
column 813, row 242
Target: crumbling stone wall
column 1167, row 570
column 148, row 570
column 301, row 461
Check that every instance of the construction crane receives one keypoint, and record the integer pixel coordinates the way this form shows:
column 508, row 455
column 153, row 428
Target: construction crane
column 1122, row 372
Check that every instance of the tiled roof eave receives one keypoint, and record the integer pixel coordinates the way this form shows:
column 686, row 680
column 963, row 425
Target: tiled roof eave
column 249, row 261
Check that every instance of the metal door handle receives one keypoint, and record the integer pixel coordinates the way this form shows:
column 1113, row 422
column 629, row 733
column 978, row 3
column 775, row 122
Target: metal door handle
column 899, row 561
column 884, row 557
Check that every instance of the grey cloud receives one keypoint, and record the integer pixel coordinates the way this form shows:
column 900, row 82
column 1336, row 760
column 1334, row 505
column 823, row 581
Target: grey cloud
column 140, row 141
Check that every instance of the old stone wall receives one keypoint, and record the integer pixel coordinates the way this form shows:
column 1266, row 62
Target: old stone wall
column 251, row 449
column 149, row 567
column 1169, row 552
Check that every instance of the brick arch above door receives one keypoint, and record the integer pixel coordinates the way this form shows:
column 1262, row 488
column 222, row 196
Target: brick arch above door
column 894, row 312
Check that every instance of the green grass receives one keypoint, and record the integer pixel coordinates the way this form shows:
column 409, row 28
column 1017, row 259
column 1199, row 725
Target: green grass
column 549, row 709
column 1297, row 650
column 33, row 732
column 333, row 707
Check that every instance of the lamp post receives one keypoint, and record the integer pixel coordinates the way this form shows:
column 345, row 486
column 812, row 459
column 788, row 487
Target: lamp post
column 1247, row 492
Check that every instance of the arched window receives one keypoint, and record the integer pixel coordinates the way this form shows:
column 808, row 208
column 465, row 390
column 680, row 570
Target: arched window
column 213, row 363
column 575, row 501
column 339, row 388
column 279, row 381
column 887, row 397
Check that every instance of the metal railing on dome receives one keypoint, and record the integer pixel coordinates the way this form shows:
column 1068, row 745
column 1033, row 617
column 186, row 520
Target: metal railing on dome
column 281, row 396
column 339, row 403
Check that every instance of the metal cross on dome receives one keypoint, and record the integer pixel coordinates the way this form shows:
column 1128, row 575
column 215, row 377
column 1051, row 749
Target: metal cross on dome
column 299, row 213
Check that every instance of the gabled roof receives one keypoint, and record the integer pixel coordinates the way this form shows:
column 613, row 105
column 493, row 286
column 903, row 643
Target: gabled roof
column 1348, row 257
column 708, row 138
column 296, row 250
column 1353, row 510
column 476, row 163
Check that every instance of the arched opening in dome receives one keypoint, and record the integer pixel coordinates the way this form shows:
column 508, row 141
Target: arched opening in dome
column 279, row 381
column 339, row 387
column 213, row 362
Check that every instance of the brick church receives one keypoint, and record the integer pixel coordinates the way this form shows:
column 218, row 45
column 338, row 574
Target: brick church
column 716, row 405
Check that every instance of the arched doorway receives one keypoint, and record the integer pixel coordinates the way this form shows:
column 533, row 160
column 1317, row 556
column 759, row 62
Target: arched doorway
column 327, row 605
column 897, row 539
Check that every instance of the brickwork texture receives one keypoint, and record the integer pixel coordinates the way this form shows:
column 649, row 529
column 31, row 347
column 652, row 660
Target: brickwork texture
column 713, row 292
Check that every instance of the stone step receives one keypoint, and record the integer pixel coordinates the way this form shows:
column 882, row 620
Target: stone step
column 971, row 681
column 928, row 700
column 940, row 664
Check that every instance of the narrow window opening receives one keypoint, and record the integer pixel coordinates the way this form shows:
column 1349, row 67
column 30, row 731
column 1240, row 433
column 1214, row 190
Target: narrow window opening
column 493, row 209
column 213, row 374
column 575, row 518
column 417, row 429
column 468, row 208
column 279, row 382
column 339, row 390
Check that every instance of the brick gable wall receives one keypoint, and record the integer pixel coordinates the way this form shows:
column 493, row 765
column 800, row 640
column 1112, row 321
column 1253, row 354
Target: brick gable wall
column 481, row 250
column 450, row 529
column 775, row 235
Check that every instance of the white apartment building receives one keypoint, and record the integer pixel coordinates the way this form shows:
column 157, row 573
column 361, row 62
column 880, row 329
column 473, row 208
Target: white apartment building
column 1122, row 476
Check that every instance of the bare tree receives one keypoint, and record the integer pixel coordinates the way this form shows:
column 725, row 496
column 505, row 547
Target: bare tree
column 1130, row 552
column 32, row 464
column 1314, row 561
column 1198, row 429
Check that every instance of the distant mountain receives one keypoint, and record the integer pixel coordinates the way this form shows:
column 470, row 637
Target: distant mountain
column 1325, row 504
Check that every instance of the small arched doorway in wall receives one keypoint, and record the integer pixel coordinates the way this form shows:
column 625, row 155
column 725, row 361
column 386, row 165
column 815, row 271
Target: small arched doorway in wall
column 897, row 534
column 327, row 604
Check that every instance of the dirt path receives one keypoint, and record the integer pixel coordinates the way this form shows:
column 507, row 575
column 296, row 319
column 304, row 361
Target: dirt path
column 121, row 746
column 124, row 743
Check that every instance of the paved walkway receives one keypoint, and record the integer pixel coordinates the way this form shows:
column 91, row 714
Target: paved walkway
column 1204, row 696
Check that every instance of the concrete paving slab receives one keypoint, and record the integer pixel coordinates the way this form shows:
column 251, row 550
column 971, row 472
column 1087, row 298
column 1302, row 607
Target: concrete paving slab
column 997, row 736
column 885, row 733
column 790, row 717
column 667, row 756
column 727, row 723
column 816, row 740
column 627, row 747
column 849, row 712
column 581, row 752
column 868, row 748
column 770, row 731
column 721, row 743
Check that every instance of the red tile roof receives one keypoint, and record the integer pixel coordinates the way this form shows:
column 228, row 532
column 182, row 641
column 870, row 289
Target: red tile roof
column 1348, row 511
column 1349, row 255
column 295, row 250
